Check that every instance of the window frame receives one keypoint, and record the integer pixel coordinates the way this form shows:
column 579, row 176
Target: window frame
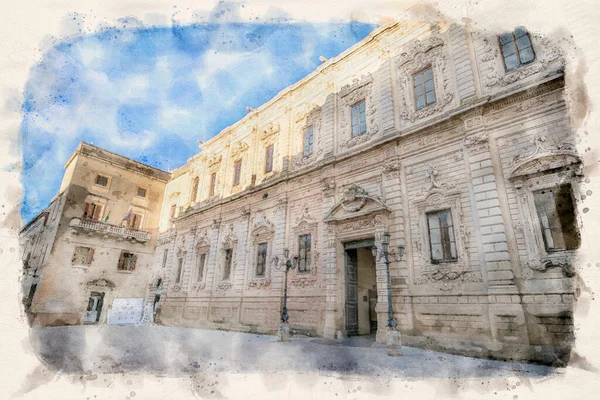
column 96, row 206
column 108, row 181
column 354, row 106
column 227, row 264
column 517, row 51
column 212, row 185
column 421, row 73
column 444, row 260
column 194, row 189
column 269, row 156
column 262, row 245
column 237, row 172
column 89, row 258
column 121, row 262
column 307, row 258
column 310, row 129
column 137, row 193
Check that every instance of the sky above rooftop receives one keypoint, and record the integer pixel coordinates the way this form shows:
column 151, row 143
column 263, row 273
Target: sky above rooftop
column 150, row 94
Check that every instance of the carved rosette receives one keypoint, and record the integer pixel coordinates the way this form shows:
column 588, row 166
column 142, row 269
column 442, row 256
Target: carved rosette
column 354, row 198
column 225, row 285
column 198, row 286
column 360, row 89
column 259, row 283
column 423, row 54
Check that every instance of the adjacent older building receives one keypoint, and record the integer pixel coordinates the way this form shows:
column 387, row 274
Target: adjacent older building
column 453, row 143
column 88, row 257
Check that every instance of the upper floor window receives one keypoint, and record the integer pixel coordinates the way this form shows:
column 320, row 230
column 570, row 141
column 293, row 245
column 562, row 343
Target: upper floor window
column 441, row 236
column 127, row 261
column 180, row 262
column 308, row 142
column 165, row 257
column 237, row 172
column 424, row 89
column 200, row 266
column 194, row 190
column 227, row 266
column 304, row 253
column 556, row 213
column 516, row 48
column 135, row 221
column 261, row 259
column 83, row 256
column 93, row 211
column 269, row 159
column 141, row 192
column 213, row 181
column 359, row 119
column 173, row 211
column 101, row 180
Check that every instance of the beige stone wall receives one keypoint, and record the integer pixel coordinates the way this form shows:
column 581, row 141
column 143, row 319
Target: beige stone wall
column 456, row 154
column 63, row 288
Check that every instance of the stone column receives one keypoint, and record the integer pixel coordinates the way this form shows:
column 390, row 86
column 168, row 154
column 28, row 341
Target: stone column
column 328, row 263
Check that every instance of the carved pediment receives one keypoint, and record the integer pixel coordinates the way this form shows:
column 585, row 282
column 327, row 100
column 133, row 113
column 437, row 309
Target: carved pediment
column 238, row 148
column 101, row 282
column 270, row 130
column 543, row 157
column 355, row 202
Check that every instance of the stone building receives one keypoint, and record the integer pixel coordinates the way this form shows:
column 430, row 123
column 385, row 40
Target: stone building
column 88, row 256
column 452, row 142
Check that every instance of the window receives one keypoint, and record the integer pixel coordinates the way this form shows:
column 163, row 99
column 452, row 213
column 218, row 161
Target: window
column 237, row 172
column 308, row 142
column 227, row 266
column 516, row 48
column 101, row 180
column 135, row 221
column 359, row 120
column 213, row 181
column 93, row 211
column 269, row 159
column 194, row 193
column 165, row 257
column 556, row 213
column 424, row 90
column 261, row 259
column 127, row 261
column 83, row 256
column 173, row 211
column 441, row 236
column 141, row 192
column 180, row 262
column 304, row 253
column 200, row 266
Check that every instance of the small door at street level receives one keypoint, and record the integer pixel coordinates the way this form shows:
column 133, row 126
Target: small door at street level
column 94, row 308
column 360, row 288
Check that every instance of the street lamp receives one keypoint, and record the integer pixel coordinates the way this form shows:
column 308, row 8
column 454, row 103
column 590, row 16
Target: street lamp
column 393, row 335
column 289, row 263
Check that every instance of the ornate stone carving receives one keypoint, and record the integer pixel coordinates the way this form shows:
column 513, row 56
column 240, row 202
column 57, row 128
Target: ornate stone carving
column 546, row 54
column 477, row 143
column 354, row 198
column 423, row 54
column 225, row 285
column 390, row 167
column 543, row 265
column 328, row 187
column 257, row 283
column 313, row 119
column 262, row 222
column 213, row 160
column 238, row 148
column 305, row 220
column 350, row 95
column 216, row 223
column 542, row 148
column 361, row 224
column 271, row 130
column 198, row 286
column 230, row 238
column 202, row 239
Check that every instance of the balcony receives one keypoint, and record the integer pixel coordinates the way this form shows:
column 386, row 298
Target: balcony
column 166, row 237
column 105, row 229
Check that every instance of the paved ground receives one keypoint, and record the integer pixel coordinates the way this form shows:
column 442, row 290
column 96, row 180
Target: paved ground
column 172, row 352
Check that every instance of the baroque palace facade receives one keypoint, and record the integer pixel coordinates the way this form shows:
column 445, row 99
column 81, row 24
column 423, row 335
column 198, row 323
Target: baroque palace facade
column 453, row 141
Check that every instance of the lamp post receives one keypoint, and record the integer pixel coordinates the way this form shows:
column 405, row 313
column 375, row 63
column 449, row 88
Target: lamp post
column 393, row 335
column 284, row 327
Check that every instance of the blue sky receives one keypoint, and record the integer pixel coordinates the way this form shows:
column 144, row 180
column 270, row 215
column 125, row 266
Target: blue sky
column 151, row 94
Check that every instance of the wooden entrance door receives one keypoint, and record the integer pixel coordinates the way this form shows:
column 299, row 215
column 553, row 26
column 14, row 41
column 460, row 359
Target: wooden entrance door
column 351, row 292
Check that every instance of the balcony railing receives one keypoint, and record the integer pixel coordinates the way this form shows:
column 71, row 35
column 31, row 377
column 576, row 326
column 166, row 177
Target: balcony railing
column 101, row 227
column 166, row 236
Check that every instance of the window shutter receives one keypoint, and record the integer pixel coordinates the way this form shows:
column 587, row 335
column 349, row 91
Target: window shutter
column 90, row 256
column 88, row 210
column 133, row 262
column 121, row 263
column 97, row 210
